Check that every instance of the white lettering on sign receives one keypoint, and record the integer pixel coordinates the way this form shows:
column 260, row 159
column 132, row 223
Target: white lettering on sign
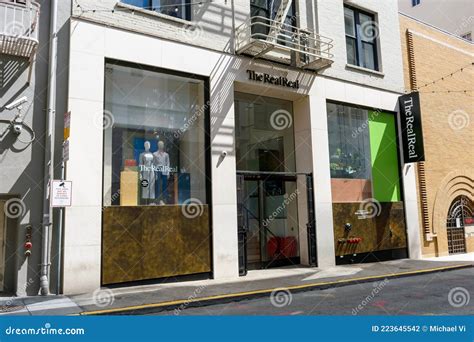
column 411, row 136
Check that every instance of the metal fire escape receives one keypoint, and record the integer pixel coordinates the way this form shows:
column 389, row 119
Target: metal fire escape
column 278, row 41
column 18, row 29
column 279, row 20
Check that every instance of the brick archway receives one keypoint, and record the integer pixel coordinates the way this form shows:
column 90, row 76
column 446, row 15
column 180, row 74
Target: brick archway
column 456, row 183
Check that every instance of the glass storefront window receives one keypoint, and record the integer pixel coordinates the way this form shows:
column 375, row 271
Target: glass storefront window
column 363, row 154
column 154, row 138
column 348, row 142
column 264, row 134
column 365, row 184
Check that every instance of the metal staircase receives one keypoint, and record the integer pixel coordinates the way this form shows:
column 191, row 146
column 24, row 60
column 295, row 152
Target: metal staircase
column 279, row 19
column 260, row 37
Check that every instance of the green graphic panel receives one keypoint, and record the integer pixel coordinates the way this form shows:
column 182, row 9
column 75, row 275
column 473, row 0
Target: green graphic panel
column 383, row 149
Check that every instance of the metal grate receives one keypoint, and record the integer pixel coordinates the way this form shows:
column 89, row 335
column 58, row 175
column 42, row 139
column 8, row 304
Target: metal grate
column 274, row 40
column 461, row 208
column 456, row 241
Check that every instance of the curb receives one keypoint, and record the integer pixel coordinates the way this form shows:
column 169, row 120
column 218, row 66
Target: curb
column 238, row 296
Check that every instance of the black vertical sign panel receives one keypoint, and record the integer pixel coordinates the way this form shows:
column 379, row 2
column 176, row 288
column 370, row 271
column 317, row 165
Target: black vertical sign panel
column 411, row 129
column 241, row 226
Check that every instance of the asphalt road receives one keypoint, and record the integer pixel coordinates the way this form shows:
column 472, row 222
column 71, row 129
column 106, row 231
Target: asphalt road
column 445, row 293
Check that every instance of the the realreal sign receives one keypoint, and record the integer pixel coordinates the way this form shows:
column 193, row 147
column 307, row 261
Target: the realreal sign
column 411, row 129
column 275, row 80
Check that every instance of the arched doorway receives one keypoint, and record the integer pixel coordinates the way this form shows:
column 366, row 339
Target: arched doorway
column 460, row 213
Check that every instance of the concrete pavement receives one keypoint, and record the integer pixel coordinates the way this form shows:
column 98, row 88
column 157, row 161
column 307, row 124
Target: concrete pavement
column 423, row 295
column 165, row 296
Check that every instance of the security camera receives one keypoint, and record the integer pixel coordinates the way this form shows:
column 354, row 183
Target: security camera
column 16, row 103
column 17, row 128
column 224, row 154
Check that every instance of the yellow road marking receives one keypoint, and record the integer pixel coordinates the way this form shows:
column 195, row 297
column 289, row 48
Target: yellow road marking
column 249, row 293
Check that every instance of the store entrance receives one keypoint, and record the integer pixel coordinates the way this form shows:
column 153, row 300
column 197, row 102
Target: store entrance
column 275, row 202
column 269, row 226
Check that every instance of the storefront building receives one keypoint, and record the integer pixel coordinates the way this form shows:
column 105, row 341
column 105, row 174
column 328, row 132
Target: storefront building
column 446, row 178
column 26, row 99
column 197, row 152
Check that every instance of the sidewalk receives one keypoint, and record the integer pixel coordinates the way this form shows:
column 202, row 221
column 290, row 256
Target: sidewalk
column 170, row 296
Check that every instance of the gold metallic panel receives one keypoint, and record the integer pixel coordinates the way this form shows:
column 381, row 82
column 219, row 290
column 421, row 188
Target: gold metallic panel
column 382, row 228
column 147, row 242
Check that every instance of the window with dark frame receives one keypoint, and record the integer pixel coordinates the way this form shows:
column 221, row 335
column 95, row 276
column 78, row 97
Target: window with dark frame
column 361, row 38
column 174, row 8
column 467, row 36
column 415, row 2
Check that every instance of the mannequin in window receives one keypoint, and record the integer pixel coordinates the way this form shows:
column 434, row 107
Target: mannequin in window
column 147, row 174
column 162, row 163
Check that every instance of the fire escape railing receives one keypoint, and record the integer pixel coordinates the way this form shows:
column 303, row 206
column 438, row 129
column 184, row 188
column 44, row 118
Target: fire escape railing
column 261, row 37
column 19, row 28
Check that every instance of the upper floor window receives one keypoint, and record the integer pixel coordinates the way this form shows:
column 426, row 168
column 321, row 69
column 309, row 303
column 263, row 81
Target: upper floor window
column 467, row 36
column 361, row 38
column 415, row 2
column 175, row 8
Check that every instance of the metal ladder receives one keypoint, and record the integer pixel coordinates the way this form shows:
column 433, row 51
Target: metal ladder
column 279, row 19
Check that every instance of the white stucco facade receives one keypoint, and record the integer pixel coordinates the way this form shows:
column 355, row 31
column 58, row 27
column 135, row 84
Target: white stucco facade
column 91, row 43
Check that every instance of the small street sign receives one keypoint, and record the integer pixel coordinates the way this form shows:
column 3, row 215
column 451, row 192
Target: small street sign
column 66, row 150
column 61, row 193
column 67, row 125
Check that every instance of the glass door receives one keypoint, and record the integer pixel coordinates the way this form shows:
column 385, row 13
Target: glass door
column 279, row 227
column 270, row 216
column 252, row 207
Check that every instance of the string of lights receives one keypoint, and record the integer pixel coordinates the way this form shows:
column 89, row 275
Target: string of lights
column 446, row 76
column 200, row 3
column 446, row 91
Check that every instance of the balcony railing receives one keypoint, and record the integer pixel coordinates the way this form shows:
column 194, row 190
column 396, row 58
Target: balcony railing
column 18, row 27
column 261, row 37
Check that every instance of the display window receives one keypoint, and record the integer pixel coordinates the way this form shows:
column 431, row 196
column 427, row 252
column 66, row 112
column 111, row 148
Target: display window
column 154, row 137
column 363, row 154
